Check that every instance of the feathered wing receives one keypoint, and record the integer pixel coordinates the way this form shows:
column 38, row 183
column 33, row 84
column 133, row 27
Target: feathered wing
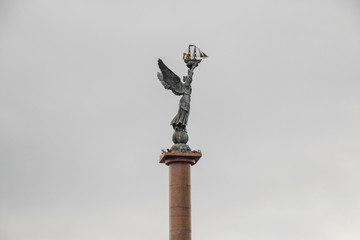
column 169, row 79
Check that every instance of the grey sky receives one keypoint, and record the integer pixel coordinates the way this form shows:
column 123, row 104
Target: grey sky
column 275, row 110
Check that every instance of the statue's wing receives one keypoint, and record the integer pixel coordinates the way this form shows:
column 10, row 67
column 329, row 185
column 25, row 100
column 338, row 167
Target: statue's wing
column 169, row 79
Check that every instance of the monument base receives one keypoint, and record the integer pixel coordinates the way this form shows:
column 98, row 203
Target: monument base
column 182, row 147
column 191, row 157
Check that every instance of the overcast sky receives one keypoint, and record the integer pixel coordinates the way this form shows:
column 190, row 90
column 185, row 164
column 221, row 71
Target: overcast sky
column 275, row 110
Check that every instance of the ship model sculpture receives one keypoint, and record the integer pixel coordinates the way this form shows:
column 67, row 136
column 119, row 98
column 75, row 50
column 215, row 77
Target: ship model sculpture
column 192, row 57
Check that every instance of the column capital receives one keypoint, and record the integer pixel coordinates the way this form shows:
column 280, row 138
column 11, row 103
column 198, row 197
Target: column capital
column 191, row 157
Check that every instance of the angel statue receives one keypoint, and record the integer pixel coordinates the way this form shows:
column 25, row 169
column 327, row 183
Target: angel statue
column 171, row 81
column 182, row 88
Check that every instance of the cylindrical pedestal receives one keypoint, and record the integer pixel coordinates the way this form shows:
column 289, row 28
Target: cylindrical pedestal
column 180, row 191
column 180, row 201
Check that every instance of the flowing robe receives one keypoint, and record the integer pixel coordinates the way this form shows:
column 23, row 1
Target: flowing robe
column 179, row 122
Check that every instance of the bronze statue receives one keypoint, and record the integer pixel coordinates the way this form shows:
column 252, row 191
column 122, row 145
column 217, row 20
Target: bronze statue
column 171, row 81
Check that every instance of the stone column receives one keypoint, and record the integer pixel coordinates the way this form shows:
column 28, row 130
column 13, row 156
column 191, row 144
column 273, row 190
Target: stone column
column 180, row 191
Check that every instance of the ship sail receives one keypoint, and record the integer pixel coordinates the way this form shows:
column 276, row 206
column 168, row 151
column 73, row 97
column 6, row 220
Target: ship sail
column 202, row 54
column 194, row 53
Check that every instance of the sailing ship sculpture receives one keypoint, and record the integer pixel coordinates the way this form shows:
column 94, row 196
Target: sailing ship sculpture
column 192, row 57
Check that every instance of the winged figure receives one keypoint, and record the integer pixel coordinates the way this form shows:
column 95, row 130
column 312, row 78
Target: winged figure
column 179, row 87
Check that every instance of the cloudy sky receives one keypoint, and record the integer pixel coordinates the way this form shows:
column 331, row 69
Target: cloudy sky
column 275, row 111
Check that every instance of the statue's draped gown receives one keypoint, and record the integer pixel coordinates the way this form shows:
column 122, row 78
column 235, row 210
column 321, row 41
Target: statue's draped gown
column 181, row 118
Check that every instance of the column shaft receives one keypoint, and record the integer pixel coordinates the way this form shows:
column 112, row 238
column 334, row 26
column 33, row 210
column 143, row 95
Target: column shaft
column 180, row 200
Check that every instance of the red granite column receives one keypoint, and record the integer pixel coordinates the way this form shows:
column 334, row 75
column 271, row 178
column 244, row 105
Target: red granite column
column 180, row 191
